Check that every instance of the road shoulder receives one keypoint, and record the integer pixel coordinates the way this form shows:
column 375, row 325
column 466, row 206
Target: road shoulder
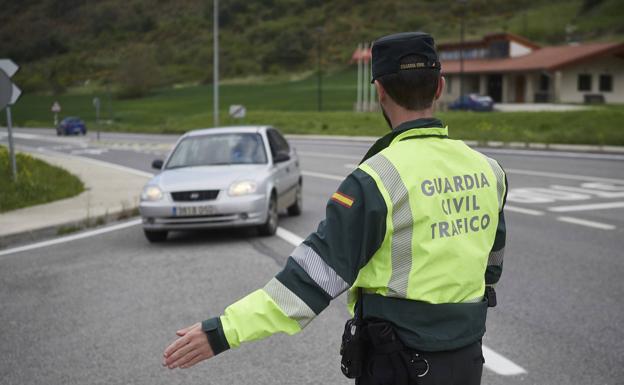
column 110, row 192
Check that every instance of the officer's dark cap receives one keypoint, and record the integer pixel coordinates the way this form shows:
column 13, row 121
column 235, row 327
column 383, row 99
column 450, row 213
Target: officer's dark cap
column 388, row 52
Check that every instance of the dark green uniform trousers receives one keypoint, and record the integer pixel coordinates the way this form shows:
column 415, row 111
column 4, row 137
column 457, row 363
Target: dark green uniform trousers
column 388, row 362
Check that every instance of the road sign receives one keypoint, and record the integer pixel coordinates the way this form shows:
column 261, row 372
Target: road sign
column 9, row 92
column 56, row 108
column 17, row 92
column 8, row 67
column 237, row 111
column 6, row 90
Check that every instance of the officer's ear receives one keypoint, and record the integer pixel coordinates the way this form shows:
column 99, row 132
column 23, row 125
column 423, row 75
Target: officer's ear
column 441, row 87
column 381, row 92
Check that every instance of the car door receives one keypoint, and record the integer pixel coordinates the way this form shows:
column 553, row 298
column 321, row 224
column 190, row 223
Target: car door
column 280, row 167
column 292, row 168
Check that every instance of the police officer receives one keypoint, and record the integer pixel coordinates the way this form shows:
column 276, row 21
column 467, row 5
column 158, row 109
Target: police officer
column 416, row 234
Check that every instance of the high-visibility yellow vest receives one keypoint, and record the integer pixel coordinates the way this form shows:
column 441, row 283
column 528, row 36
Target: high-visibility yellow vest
column 443, row 200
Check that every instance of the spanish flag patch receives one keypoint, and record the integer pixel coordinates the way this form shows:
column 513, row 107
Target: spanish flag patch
column 342, row 199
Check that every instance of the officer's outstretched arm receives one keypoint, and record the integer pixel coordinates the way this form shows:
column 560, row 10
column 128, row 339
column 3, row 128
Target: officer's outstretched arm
column 325, row 265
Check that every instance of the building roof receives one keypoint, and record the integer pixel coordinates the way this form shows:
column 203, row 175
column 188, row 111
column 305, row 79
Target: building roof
column 543, row 59
column 486, row 40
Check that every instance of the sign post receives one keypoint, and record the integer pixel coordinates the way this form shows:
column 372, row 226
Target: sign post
column 56, row 108
column 96, row 104
column 9, row 93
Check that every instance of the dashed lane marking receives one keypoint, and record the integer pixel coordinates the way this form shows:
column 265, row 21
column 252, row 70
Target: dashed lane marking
column 493, row 361
column 562, row 176
column 586, row 223
column 322, row 175
column 523, row 210
column 594, row 206
column 71, row 238
column 325, row 155
column 500, row 364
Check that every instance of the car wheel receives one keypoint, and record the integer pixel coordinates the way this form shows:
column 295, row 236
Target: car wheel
column 155, row 236
column 270, row 226
column 296, row 208
column 58, row 133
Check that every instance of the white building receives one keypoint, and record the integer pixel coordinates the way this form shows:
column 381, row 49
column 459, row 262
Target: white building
column 512, row 69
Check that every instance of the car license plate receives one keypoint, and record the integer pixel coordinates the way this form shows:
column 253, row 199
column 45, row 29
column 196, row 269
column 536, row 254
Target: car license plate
column 193, row 211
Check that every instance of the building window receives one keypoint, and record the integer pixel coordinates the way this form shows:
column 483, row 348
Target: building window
column 449, row 85
column 606, row 83
column 584, row 82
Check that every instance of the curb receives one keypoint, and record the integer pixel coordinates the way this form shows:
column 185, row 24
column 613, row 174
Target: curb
column 99, row 211
column 51, row 232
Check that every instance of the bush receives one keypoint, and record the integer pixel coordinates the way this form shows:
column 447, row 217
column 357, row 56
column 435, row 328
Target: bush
column 138, row 72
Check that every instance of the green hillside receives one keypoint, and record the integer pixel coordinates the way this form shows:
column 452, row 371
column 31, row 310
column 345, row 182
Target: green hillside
column 138, row 45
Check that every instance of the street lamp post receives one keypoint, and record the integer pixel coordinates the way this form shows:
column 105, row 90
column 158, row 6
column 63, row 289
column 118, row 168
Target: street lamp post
column 215, row 63
column 319, row 72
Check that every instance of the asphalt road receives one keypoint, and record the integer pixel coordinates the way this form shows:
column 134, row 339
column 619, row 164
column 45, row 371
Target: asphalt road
column 101, row 309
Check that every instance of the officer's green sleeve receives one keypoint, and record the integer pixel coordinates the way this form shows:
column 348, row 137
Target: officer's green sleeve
column 317, row 271
column 494, row 267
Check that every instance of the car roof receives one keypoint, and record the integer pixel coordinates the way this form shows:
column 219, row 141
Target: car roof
column 227, row 130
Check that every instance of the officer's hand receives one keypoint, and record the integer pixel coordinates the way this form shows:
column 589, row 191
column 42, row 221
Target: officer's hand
column 191, row 348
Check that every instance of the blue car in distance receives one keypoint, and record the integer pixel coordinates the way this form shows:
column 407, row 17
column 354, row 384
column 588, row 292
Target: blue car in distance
column 473, row 102
column 71, row 125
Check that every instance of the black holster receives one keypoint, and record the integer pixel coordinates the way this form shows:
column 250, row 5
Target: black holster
column 388, row 360
column 352, row 349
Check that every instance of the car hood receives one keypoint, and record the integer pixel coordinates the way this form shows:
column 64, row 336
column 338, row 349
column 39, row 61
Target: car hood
column 206, row 177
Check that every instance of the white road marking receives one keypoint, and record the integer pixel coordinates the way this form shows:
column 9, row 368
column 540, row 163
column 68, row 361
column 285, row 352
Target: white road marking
column 324, row 176
column 543, row 195
column 562, row 176
column 553, row 154
column 326, row 155
column 522, row 210
column 594, row 206
column 90, row 151
column 289, row 237
column 493, row 361
column 601, row 190
column 499, row 364
column 67, row 140
column 73, row 237
column 584, row 222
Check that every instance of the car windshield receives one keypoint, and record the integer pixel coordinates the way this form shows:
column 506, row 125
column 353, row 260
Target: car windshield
column 218, row 149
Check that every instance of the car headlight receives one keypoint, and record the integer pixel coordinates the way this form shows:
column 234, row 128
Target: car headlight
column 151, row 193
column 242, row 188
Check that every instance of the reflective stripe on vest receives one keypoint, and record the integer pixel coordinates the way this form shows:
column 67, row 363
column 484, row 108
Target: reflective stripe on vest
column 443, row 200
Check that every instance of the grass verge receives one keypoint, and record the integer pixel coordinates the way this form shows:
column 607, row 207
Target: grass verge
column 37, row 182
column 292, row 107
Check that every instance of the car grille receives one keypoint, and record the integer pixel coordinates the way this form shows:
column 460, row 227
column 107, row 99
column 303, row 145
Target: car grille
column 194, row 196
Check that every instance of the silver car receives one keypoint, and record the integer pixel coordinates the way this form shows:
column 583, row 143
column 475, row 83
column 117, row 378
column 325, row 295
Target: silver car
column 223, row 177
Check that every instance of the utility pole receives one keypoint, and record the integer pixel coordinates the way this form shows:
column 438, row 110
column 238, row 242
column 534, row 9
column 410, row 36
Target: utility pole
column 461, row 47
column 319, row 69
column 11, row 145
column 215, row 63
column 358, row 103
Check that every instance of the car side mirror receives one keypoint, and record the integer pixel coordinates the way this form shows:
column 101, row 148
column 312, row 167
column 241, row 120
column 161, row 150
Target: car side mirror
column 157, row 164
column 281, row 157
